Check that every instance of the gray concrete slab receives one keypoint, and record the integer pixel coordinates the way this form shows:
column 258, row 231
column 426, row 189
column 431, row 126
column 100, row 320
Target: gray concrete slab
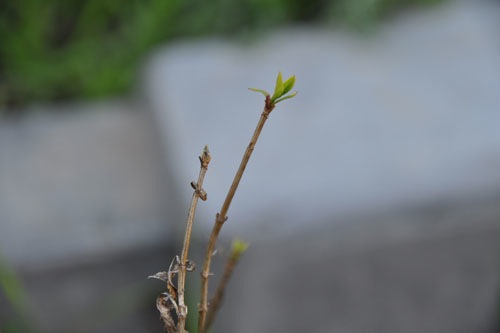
column 78, row 181
column 375, row 278
column 406, row 115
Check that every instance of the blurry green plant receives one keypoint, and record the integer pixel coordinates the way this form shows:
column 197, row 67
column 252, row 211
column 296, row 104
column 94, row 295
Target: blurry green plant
column 12, row 291
column 59, row 49
column 362, row 15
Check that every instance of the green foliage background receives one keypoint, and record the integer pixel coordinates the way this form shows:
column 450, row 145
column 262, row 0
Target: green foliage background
column 63, row 49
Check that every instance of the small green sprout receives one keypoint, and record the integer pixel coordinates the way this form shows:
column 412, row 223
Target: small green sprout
column 280, row 90
column 238, row 248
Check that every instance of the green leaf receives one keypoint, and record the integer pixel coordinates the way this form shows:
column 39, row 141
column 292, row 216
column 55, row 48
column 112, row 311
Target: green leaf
column 278, row 90
column 288, row 85
column 286, row 97
column 263, row 92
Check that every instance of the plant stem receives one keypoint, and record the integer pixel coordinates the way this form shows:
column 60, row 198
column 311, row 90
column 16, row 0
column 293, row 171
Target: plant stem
column 221, row 217
column 219, row 293
column 198, row 193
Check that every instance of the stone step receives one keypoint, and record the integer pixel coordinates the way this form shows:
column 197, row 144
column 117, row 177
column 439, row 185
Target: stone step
column 78, row 181
column 405, row 116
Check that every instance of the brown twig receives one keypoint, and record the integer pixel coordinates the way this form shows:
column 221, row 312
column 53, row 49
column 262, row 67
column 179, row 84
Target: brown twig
column 238, row 249
column 198, row 193
column 221, row 217
column 171, row 303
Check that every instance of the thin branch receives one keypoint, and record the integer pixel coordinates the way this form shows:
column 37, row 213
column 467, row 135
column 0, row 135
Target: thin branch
column 221, row 217
column 198, row 193
column 239, row 248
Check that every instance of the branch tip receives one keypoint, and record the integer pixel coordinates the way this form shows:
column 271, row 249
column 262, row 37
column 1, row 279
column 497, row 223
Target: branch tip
column 205, row 157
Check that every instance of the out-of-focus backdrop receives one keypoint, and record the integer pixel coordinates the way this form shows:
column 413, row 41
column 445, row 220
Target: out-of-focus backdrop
column 372, row 201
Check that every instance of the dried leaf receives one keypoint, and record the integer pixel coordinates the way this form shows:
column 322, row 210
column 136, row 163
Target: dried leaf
column 163, row 276
column 167, row 307
column 190, row 265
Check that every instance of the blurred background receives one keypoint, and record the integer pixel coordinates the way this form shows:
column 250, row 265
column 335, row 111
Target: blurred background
column 372, row 201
